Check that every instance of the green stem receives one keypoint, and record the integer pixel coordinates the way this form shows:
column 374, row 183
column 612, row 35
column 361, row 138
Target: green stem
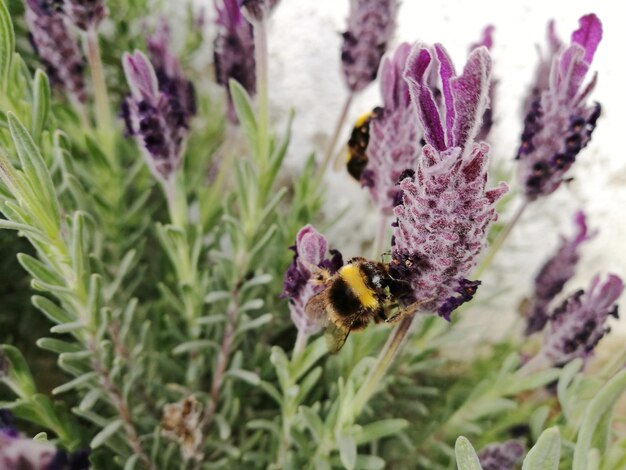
column 176, row 196
column 497, row 244
column 385, row 359
column 333, row 140
column 381, row 236
column 101, row 96
column 301, row 339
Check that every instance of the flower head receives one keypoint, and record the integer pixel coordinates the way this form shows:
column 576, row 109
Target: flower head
column 168, row 70
column 395, row 133
column 443, row 209
column 559, row 123
column 576, row 327
column 85, row 14
column 501, row 455
column 56, row 47
column 310, row 253
column 555, row 273
column 156, row 119
column 233, row 50
column 370, row 26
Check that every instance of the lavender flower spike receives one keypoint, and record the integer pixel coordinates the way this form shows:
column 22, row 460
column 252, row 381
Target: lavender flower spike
column 156, row 119
column 168, row 70
column 501, row 455
column 56, row 48
column 444, row 209
column 578, row 324
column 371, row 24
column 559, row 269
column 233, row 54
column 559, row 123
column 395, row 134
column 85, row 14
column 310, row 251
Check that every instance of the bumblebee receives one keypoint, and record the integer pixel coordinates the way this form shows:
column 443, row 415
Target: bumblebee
column 357, row 145
column 359, row 292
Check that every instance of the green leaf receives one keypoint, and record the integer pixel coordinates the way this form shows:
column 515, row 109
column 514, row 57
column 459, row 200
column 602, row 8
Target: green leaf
column 77, row 382
column 108, row 431
column 245, row 111
column 380, row 429
column 36, row 173
column 51, row 310
column 194, row 346
column 41, row 437
column 347, row 450
column 245, row 375
column 18, row 376
column 369, row 462
column 546, row 453
column 58, row 346
column 601, row 403
column 39, row 270
column 216, row 296
column 7, row 45
column 41, row 103
column 466, row 458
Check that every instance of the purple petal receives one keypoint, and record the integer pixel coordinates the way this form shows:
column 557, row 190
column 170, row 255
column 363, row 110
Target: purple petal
column 447, row 73
column 140, row 75
column 588, row 35
column 471, row 96
column 415, row 75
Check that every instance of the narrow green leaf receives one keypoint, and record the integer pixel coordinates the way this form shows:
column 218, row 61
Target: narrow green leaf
column 256, row 323
column 245, row 112
column 41, row 103
column 216, row 296
column 7, row 45
column 68, row 327
column 380, row 429
column 41, row 437
column 108, row 431
column 600, row 404
column 194, row 346
column 254, row 304
column 245, row 375
column 259, row 280
column 466, row 458
column 347, row 451
column 19, row 378
column 35, row 170
column 51, row 310
column 77, row 382
column 79, row 255
column 58, row 346
column 369, row 462
column 546, row 453
column 39, row 270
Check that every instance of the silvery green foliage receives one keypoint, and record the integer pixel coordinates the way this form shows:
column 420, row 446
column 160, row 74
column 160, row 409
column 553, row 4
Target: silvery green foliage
column 164, row 342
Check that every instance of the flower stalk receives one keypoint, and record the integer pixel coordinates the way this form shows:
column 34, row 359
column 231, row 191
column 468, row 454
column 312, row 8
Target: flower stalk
column 332, row 143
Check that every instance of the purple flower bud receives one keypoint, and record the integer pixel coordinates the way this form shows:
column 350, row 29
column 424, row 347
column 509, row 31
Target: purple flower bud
column 542, row 71
column 395, row 134
column 57, row 49
column 168, row 70
column 370, row 26
column 580, row 322
column 552, row 277
column 559, row 123
column 487, row 41
column 299, row 286
column 156, row 119
column 233, row 51
column 501, row 455
column 85, row 14
column 445, row 209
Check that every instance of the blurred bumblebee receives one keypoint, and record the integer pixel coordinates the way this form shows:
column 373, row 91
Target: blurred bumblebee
column 357, row 145
column 359, row 292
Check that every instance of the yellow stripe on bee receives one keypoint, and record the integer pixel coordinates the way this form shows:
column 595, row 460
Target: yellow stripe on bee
column 362, row 118
column 354, row 278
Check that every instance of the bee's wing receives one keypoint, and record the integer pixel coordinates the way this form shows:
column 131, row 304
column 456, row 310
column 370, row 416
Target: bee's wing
column 335, row 337
column 315, row 308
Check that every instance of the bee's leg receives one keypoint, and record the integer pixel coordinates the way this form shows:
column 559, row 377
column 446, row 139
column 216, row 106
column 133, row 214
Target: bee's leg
column 319, row 275
column 380, row 316
column 407, row 311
